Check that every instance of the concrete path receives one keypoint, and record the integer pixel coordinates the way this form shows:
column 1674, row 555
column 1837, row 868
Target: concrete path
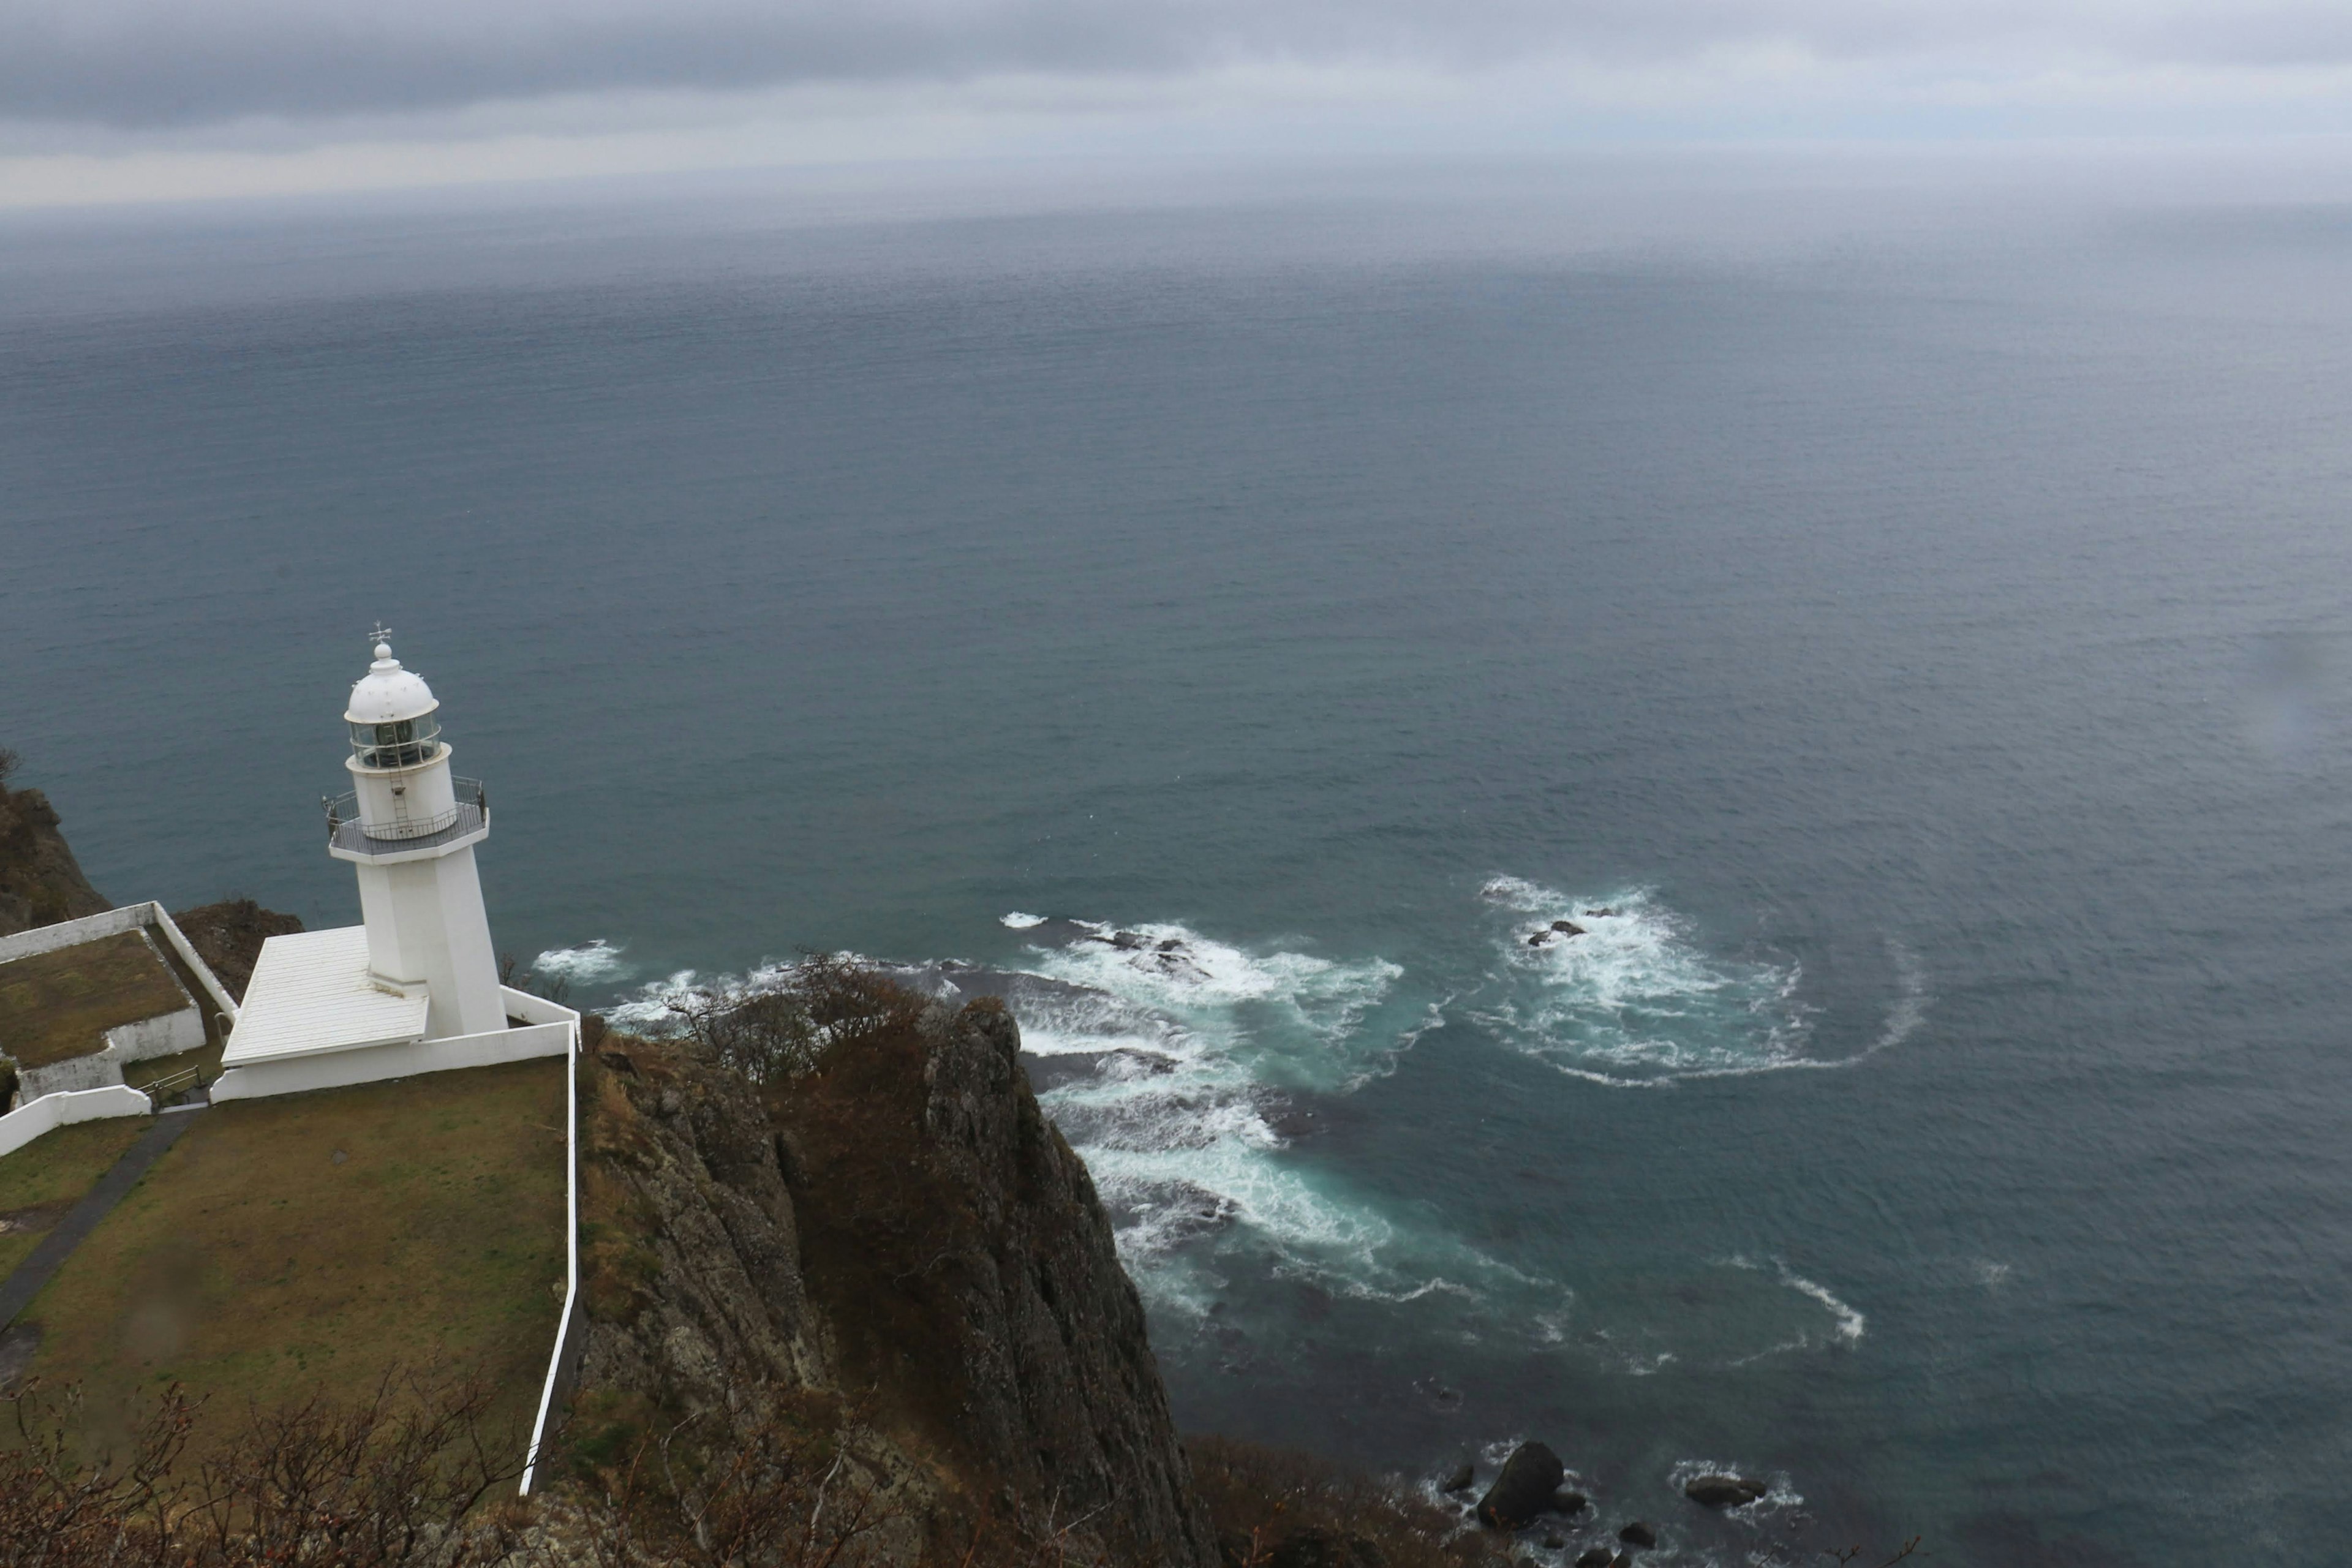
column 41, row 1265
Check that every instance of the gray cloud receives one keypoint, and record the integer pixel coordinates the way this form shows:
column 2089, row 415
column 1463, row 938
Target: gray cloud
column 165, row 63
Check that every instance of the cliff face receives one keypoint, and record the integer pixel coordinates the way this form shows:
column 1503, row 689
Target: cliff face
column 41, row 883
column 900, row 1236
column 1059, row 1386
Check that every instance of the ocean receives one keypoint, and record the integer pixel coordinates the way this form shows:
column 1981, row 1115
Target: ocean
column 1903, row 621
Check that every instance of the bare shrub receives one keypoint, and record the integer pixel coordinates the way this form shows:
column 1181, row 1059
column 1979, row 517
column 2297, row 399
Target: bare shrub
column 395, row 1482
column 60, row 1509
column 782, row 1030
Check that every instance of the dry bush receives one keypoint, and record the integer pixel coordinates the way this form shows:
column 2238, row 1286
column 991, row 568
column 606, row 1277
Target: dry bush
column 1275, row 1508
column 781, row 1030
column 398, row 1481
column 776, row 1492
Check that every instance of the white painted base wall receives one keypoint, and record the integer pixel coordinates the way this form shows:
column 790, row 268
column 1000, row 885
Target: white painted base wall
column 549, row 1033
column 51, row 1111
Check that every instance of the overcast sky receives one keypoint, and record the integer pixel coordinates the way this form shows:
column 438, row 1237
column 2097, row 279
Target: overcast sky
column 127, row 98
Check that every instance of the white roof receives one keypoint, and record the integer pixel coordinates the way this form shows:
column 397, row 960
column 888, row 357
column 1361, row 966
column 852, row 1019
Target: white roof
column 387, row 692
column 311, row 993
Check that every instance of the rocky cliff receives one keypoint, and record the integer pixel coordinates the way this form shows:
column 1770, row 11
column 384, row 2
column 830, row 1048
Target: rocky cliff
column 41, row 883
column 898, row 1242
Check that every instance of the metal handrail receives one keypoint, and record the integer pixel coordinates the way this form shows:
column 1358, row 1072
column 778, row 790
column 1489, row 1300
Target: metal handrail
column 343, row 816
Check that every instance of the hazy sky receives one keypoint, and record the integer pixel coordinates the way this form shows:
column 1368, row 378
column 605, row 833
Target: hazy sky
column 126, row 99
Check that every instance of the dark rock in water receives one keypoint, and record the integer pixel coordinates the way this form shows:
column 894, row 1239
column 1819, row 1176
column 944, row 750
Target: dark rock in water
column 1595, row 1557
column 1568, row 1504
column 1567, row 928
column 1524, row 1490
column 1172, row 945
column 1554, row 1542
column 1540, row 938
column 1126, row 941
column 1725, row 1491
column 1602, row 914
column 1459, row 1479
column 1639, row 1533
column 1322, row 1549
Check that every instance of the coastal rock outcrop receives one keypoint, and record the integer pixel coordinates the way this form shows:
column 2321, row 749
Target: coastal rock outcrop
column 1725, row 1491
column 957, row 1251
column 40, row 881
column 1523, row 1490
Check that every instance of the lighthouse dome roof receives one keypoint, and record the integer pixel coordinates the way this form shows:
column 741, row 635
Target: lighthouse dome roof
column 387, row 692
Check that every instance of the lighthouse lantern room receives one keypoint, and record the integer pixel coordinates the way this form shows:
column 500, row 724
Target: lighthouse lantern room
column 420, row 972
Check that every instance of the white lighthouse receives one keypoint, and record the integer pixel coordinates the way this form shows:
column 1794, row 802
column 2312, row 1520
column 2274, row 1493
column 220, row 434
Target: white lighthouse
column 410, row 824
column 415, row 987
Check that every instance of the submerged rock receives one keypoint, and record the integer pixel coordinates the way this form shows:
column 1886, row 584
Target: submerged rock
column 1725, row 1491
column 1595, row 1557
column 1639, row 1533
column 1459, row 1479
column 1568, row 1504
column 1530, row 1476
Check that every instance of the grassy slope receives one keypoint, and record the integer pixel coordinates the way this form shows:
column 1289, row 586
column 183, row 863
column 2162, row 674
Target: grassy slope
column 59, row 1004
column 248, row 1264
column 39, row 1182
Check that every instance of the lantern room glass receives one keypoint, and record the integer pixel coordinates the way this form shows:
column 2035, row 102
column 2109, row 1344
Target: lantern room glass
column 399, row 744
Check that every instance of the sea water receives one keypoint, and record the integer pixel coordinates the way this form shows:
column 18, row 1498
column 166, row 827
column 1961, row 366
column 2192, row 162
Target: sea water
column 1906, row 632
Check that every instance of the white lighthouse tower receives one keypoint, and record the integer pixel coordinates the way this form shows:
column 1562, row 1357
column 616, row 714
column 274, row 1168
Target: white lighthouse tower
column 415, row 987
column 410, row 826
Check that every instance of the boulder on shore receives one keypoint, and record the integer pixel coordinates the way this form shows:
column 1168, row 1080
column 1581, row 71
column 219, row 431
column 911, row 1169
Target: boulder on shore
column 1725, row 1491
column 1530, row 1476
column 1459, row 1479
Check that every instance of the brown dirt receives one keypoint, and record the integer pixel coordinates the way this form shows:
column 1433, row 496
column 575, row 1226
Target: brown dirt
column 228, row 936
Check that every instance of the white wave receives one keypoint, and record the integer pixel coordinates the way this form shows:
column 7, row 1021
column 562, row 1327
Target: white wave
column 1846, row 1324
column 1019, row 921
column 593, row 960
column 1781, row 1493
column 1615, row 990
column 1909, row 1008
column 1201, row 1047
column 1849, row 1321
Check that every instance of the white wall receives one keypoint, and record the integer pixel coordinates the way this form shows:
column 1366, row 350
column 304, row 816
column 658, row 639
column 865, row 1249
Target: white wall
column 51, row 1111
column 165, row 1035
column 425, row 922
column 373, row 1064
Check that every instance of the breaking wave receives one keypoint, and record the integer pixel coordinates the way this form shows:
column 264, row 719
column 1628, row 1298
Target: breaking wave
column 592, row 963
column 1615, row 991
column 1182, row 1069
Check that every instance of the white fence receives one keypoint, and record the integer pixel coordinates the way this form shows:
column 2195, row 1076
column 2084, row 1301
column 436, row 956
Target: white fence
column 51, row 1111
column 571, row 1329
column 373, row 1064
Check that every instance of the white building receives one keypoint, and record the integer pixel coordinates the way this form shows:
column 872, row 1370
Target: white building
column 414, row 988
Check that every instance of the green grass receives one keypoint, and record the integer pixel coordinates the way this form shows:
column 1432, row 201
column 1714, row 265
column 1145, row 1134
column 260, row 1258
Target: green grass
column 250, row 1264
column 57, row 1006
column 39, row 1182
